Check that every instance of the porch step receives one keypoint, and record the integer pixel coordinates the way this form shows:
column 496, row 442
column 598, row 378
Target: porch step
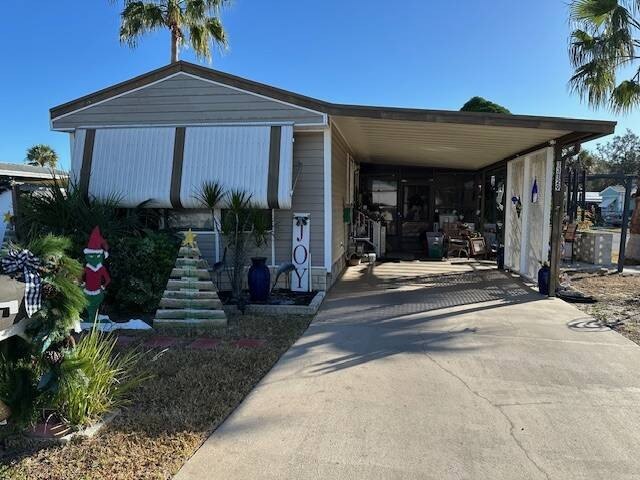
column 184, row 313
column 205, row 303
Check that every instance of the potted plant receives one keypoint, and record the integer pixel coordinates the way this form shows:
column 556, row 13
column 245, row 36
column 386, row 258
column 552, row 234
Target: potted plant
column 241, row 224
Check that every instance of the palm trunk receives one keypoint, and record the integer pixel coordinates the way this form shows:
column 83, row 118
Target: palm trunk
column 175, row 41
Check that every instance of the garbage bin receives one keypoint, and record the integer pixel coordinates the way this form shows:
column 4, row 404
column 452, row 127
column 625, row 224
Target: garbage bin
column 435, row 245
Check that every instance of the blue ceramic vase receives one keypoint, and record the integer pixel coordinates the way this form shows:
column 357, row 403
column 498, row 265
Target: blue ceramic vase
column 259, row 279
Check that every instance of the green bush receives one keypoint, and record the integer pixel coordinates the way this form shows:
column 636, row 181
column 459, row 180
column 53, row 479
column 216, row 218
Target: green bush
column 140, row 268
column 479, row 104
column 18, row 388
column 94, row 380
column 62, row 209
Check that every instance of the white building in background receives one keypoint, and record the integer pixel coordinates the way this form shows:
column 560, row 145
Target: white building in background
column 14, row 176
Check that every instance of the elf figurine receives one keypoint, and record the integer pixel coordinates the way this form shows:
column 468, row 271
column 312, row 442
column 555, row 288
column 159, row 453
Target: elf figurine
column 96, row 276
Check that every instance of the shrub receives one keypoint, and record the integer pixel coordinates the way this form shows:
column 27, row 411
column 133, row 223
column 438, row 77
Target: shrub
column 94, row 380
column 140, row 268
column 61, row 209
column 479, row 104
column 18, row 388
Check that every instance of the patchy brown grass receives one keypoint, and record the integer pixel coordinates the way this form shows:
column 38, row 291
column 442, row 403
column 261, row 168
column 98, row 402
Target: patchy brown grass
column 618, row 303
column 191, row 393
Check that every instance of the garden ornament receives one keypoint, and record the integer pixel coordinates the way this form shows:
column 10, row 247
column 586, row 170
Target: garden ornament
column 517, row 203
column 96, row 276
column 24, row 265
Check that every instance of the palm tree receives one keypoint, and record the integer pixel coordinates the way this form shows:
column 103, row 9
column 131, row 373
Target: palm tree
column 602, row 44
column 42, row 156
column 196, row 22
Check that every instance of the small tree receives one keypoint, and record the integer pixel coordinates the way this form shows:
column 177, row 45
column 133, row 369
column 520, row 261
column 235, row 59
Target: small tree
column 42, row 156
column 479, row 104
column 241, row 225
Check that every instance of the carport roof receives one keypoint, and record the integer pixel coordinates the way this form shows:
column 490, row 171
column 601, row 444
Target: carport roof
column 406, row 136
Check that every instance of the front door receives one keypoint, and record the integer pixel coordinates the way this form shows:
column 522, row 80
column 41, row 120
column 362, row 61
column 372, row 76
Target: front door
column 416, row 216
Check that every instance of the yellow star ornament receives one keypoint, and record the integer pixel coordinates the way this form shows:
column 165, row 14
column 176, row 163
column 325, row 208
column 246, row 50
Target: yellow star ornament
column 8, row 217
column 189, row 239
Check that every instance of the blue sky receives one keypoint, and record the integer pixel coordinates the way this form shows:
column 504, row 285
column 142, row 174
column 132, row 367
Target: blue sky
column 414, row 53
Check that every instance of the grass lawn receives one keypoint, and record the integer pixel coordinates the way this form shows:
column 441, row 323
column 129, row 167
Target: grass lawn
column 191, row 393
column 618, row 301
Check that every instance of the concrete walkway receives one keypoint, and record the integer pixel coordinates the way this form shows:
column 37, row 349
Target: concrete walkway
column 433, row 371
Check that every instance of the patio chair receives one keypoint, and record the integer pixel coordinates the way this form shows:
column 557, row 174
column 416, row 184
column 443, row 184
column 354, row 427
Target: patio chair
column 457, row 242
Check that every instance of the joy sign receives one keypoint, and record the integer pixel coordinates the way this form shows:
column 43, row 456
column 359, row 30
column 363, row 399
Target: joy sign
column 300, row 255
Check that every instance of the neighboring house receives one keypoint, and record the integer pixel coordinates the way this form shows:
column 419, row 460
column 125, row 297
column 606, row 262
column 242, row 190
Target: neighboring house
column 613, row 200
column 15, row 176
column 593, row 198
column 158, row 136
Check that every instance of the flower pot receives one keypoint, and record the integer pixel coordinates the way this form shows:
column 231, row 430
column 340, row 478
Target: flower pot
column 544, row 275
column 259, row 279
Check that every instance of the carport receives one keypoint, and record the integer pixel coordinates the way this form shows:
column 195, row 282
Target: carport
column 532, row 151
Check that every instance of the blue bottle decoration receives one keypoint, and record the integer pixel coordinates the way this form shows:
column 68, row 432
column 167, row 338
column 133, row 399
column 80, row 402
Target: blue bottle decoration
column 544, row 275
column 534, row 191
column 259, row 279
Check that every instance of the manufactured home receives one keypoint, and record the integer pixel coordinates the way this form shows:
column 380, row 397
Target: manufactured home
column 397, row 173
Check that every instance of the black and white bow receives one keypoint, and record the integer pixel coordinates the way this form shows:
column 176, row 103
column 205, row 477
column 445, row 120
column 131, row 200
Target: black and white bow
column 301, row 221
column 27, row 263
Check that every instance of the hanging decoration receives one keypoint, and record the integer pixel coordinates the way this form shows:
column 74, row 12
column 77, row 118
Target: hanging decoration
column 517, row 202
column 25, row 264
column 96, row 276
column 534, row 191
column 500, row 196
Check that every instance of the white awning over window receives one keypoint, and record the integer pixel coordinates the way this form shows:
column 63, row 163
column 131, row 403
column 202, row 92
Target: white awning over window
column 166, row 166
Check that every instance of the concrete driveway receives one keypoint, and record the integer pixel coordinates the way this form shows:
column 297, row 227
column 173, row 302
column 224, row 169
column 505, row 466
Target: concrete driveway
column 434, row 371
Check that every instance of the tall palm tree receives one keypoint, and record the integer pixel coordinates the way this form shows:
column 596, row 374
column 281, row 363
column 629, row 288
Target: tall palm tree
column 42, row 156
column 195, row 22
column 602, row 45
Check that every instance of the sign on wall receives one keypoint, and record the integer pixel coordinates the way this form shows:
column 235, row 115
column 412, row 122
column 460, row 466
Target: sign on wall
column 300, row 254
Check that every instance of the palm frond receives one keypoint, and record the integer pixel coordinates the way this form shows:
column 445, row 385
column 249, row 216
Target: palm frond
column 625, row 96
column 594, row 81
column 138, row 18
column 594, row 12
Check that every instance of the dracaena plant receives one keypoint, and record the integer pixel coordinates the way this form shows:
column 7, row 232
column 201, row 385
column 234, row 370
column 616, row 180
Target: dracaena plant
column 242, row 225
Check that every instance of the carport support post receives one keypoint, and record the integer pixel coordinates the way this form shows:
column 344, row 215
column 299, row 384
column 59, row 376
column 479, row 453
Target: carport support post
column 628, row 185
column 557, row 212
